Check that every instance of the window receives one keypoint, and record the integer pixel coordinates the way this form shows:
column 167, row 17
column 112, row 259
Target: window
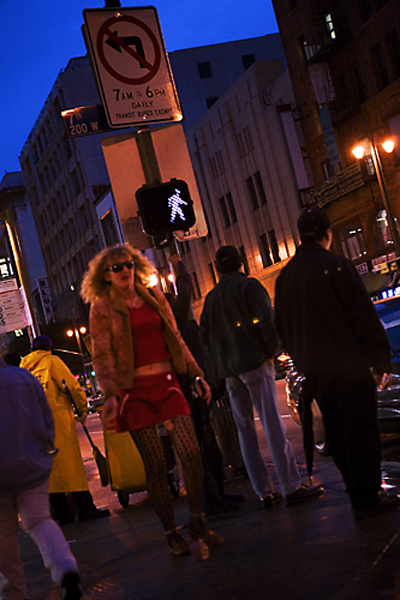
column 329, row 25
column 359, row 87
column 109, row 229
column 204, row 70
column 260, row 188
column 274, row 245
column 366, row 9
column 84, row 217
column 231, row 207
column 380, row 66
column 211, row 269
column 393, row 43
column 75, row 185
column 224, row 211
column 248, row 60
column 185, row 247
column 252, row 193
column 328, row 169
column 211, row 101
column 195, row 287
column 352, row 240
column 6, row 269
column 264, row 251
column 384, row 229
column 243, row 256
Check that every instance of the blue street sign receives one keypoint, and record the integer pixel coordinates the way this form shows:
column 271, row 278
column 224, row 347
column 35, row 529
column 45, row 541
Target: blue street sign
column 85, row 120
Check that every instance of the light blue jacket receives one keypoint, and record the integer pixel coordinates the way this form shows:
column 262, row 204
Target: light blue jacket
column 26, row 432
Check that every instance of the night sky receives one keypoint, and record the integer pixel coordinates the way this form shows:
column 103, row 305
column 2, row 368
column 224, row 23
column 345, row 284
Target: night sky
column 39, row 37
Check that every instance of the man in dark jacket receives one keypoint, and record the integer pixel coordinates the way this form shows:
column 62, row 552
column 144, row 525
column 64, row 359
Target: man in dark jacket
column 238, row 334
column 330, row 328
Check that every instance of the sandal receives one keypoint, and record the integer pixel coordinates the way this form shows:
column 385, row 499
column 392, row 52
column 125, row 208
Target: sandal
column 177, row 543
column 198, row 529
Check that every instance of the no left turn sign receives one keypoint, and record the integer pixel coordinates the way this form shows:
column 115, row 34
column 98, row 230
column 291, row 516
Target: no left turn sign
column 131, row 66
column 106, row 35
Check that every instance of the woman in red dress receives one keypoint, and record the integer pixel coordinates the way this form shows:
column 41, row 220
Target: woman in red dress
column 137, row 352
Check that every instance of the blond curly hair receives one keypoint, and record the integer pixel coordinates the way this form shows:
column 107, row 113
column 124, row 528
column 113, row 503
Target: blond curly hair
column 94, row 284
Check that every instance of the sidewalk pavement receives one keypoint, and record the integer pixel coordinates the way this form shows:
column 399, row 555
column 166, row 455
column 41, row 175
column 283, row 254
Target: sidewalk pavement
column 306, row 552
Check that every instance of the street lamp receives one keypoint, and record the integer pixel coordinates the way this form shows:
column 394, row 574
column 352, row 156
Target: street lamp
column 78, row 332
column 388, row 145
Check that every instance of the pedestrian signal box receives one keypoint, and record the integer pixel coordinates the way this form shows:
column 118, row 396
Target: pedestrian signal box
column 165, row 207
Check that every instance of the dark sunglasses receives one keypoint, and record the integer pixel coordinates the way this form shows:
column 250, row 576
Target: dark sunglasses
column 118, row 268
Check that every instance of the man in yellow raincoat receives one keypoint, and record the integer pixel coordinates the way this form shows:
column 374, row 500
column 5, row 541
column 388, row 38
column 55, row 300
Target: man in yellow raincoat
column 68, row 474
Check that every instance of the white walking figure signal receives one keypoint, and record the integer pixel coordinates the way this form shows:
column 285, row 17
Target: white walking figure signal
column 174, row 203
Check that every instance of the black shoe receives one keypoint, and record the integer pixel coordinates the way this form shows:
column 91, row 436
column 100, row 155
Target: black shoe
column 92, row 515
column 304, row 494
column 272, row 500
column 70, row 587
column 385, row 504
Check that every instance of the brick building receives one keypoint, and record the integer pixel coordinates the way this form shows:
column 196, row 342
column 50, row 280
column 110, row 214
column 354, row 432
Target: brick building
column 344, row 62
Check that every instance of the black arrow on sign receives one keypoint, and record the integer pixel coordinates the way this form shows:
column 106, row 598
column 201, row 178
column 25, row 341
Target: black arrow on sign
column 131, row 40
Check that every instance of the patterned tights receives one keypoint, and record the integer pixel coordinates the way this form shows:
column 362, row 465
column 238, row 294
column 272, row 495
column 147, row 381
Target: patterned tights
column 184, row 439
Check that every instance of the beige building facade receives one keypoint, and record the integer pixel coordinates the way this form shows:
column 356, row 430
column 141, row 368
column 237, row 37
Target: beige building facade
column 250, row 170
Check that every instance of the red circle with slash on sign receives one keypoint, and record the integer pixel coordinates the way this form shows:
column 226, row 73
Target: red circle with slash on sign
column 106, row 31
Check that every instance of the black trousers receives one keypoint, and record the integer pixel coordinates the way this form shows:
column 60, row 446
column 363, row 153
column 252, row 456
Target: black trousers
column 348, row 403
column 212, row 495
column 65, row 507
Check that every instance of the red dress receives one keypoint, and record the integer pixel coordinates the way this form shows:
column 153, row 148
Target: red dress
column 153, row 398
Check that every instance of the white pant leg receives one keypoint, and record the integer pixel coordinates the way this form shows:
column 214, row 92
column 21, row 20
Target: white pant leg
column 34, row 509
column 12, row 584
column 243, row 414
column 261, row 387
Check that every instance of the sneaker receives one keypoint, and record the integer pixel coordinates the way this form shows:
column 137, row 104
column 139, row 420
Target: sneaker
column 70, row 587
column 272, row 500
column 385, row 504
column 92, row 515
column 304, row 494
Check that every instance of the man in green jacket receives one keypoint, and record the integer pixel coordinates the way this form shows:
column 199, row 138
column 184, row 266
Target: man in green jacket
column 238, row 334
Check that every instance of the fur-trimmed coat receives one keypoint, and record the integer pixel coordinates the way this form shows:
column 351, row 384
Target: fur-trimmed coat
column 112, row 344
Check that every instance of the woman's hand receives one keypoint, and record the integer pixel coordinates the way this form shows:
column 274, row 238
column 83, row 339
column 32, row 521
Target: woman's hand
column 109, row 412
column 202, row 389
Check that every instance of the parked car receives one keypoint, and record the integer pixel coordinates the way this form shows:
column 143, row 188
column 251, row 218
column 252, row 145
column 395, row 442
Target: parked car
column 94, row 402
column 388, row 400
column 388, row 411
column 283, row 364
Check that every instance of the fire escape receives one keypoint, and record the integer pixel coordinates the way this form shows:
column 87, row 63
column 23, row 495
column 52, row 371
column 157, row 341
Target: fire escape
column 326, row 31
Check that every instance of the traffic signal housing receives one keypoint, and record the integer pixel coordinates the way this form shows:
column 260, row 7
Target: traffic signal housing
column 165, row 207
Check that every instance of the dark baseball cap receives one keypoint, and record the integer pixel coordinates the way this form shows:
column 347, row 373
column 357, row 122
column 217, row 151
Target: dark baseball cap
column 312, row 223
column 41, row 342
column 227, row 258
